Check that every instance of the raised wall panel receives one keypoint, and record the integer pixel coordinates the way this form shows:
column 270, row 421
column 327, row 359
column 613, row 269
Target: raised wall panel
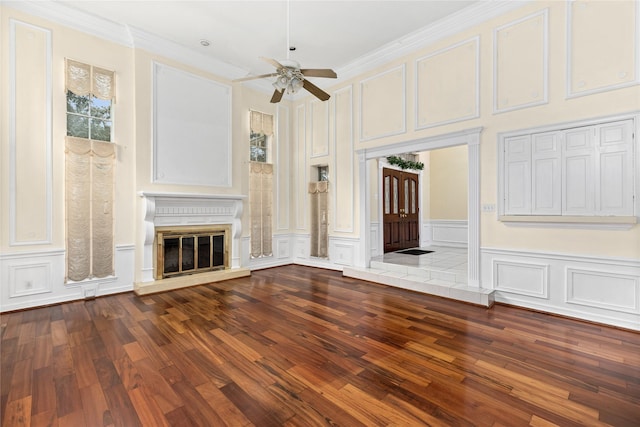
column 343, row 174
column 319, row 128
column 577, row 172
column 521, row 278
column 603, row 289
column 191, row 129
column 283, row 167
column 602, row 45
column 517, row 175
column 301, row 169
column 30, row 134
column 546, row 176
column 614, row 194
column 382, row 104
column 520, row 63
column 447, row 85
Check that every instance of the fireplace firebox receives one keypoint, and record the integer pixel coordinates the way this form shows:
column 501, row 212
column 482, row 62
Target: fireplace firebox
column 186, row 250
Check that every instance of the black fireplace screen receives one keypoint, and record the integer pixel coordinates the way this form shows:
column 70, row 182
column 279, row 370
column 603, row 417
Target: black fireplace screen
column 186, row 253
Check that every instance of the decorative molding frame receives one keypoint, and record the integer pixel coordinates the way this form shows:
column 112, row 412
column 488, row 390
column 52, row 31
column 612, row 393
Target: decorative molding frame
column 541, row 269
column 545, row 98
column 404, row 103
column 343, row 250
column 636, row 38
column 156, row 66
column 301, row 184
column 48, row 143
column 282, row 155
column 317, row 104
column 445, row 232
column 469, row 137
column 476, row 113
column 566, row 273
column 336, row 172
column 46, row 269
column 633, row 282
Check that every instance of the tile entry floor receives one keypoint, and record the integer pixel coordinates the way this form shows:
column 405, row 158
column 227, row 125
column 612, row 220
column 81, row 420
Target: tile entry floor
column 443, row 259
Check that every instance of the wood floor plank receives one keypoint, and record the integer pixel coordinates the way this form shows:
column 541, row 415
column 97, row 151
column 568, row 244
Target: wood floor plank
column 302, row 346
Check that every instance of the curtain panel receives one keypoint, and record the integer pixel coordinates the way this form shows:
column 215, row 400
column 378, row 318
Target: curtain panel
column 89, row 208
column 319, row 195
column 83, row 79
column 261, row 123
column 260, row 200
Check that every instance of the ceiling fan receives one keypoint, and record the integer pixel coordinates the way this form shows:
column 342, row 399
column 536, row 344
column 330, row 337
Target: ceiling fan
column 290, row 77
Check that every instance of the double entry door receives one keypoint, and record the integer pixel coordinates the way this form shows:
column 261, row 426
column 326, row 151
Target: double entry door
column 401, row 223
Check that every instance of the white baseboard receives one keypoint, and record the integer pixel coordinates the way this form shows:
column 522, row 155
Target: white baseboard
column 36, row 278
column 598, row 289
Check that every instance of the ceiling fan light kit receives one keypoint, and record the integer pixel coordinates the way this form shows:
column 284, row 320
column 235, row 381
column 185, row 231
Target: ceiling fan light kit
column 290, row 78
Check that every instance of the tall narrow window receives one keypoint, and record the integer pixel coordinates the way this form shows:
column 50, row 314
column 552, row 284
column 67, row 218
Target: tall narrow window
column 260, row 184
column 89, row 169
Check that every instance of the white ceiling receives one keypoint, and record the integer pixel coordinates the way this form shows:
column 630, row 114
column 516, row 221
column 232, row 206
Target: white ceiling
column 326, row 34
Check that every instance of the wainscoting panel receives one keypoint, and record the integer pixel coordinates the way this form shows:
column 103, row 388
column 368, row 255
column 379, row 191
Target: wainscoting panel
column 37, row 278
column 585, row 287
column 374, row 239
column 342, row 251
column 598, row 289
column 281, row 253
column 447, row 232
column 521, row 278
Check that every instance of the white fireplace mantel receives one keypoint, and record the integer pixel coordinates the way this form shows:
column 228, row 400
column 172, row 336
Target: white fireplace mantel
column 175, row 209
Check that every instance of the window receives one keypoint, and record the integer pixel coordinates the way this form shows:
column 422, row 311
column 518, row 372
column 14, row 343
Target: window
column 323, row 173
column 88, row 117
column 258, row 147
column 578, row 171
column 90, row 92
column 261, row 133
column 89, row 170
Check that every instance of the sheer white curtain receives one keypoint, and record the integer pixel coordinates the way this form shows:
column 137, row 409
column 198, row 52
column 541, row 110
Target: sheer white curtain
column 319, row 194
column 89, row 184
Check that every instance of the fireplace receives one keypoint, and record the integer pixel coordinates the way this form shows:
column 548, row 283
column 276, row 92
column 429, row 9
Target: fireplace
column 189, row 250
column 189, row 239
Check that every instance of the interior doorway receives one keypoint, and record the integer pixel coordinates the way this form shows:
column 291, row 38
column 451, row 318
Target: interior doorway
column 400, row 210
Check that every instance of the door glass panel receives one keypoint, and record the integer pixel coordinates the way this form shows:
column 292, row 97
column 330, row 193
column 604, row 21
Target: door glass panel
column 171, row 255
column 413, row 197
column 395, row 195
column 387, row 197
column 406, row 196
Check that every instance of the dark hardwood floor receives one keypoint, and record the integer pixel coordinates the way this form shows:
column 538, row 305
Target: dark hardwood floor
column 299, row 346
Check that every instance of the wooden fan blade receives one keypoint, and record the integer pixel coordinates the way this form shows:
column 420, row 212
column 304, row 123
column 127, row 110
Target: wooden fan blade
column 319, row 72
column 315, row 90
column 272, row 62
column 277, row 96
column 261, row 76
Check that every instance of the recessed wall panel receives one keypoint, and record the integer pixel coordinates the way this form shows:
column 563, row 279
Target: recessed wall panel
column 301, row 161
column 30, row 134
column 319, row 128
column 603, row 289
column 282, row 168
column 343, row 173
column 447, row 85
column 602, row 45
column 191, row 129
column 382, row 105
column 520, row 63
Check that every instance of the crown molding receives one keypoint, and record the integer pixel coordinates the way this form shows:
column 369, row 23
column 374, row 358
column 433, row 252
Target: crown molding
column 182, row 54
column 445, row 27
column 135, row 38
column 76, row 19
